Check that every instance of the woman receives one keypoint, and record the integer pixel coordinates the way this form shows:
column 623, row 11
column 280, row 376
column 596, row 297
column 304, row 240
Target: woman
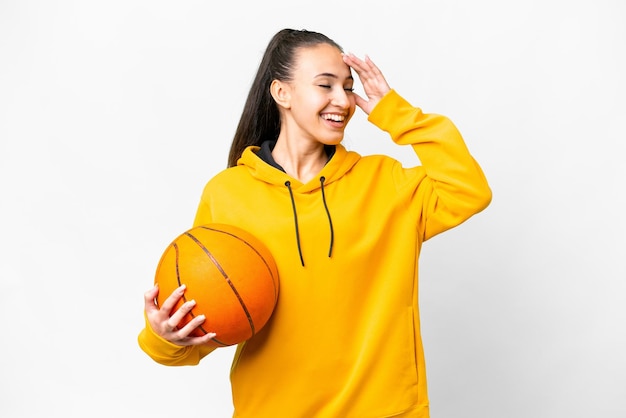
column 345, row 230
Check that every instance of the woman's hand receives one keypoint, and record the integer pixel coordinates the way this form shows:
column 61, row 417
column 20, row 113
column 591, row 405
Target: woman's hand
column 372, row 79
column 165, row 324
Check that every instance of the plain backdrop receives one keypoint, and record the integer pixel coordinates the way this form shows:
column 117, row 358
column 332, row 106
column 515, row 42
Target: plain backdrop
column 113, row 115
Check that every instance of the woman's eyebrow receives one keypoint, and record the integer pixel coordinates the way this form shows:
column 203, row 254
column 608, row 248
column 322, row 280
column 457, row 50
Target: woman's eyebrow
column 331, row 75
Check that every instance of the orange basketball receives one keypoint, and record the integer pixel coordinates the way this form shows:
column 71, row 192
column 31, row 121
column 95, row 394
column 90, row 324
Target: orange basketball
column 229, row 273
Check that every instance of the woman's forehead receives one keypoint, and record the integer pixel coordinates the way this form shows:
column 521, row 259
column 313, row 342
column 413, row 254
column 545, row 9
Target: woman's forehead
column 320, row 59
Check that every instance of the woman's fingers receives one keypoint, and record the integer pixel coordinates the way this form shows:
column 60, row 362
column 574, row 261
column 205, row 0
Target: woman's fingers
column 370, row 75
column 166, row 324
column 372, row 79
column 183, row 335
column 180, row 313
column 172, row 300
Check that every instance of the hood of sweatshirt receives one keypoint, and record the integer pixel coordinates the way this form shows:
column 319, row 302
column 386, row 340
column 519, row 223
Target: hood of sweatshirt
column 263, row 167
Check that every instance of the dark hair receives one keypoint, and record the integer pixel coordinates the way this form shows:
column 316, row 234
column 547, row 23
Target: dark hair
column 260, row 119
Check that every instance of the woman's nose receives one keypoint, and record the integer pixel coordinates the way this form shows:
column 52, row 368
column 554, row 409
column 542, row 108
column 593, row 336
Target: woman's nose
column 340, row 98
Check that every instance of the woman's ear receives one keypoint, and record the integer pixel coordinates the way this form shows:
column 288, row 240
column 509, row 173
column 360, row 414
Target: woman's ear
column 281, row 94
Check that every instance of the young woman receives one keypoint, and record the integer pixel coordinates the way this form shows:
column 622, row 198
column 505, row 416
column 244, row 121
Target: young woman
column 345, row 230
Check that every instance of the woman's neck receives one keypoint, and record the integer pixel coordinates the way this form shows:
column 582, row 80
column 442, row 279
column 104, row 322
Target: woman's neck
column 302, row 160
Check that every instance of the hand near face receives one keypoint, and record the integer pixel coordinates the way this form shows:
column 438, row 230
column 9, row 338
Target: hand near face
column 372, row 79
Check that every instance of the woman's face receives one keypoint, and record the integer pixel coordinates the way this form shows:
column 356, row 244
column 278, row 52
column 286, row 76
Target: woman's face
column 321, row 101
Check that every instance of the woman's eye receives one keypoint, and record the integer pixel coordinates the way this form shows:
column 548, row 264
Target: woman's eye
column 328, row 86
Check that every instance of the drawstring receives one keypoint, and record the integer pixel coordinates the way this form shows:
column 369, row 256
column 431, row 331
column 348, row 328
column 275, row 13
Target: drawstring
column 330, row 221
column 295, row 218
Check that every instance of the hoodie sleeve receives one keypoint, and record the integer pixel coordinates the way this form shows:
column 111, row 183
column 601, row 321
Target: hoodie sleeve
column 450, row 186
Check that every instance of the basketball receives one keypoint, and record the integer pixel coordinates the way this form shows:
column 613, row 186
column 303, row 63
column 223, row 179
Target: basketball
column 230, row 274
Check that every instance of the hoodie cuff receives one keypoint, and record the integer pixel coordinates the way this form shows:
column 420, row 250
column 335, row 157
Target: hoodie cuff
column 158, row 348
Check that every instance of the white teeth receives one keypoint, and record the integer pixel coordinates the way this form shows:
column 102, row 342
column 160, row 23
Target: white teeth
column 336, row 118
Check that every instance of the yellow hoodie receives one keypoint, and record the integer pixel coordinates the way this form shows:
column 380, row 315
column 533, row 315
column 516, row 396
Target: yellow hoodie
column 344, row 340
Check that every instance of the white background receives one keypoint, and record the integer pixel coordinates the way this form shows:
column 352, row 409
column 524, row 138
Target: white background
column 114, row 114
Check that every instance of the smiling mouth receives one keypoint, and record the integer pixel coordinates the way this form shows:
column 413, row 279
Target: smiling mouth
column 333, row 117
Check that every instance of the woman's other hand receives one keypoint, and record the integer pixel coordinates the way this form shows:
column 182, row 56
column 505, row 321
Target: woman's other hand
column 165, row 323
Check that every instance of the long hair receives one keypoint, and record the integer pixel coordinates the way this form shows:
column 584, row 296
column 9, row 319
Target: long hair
column 260, row 119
